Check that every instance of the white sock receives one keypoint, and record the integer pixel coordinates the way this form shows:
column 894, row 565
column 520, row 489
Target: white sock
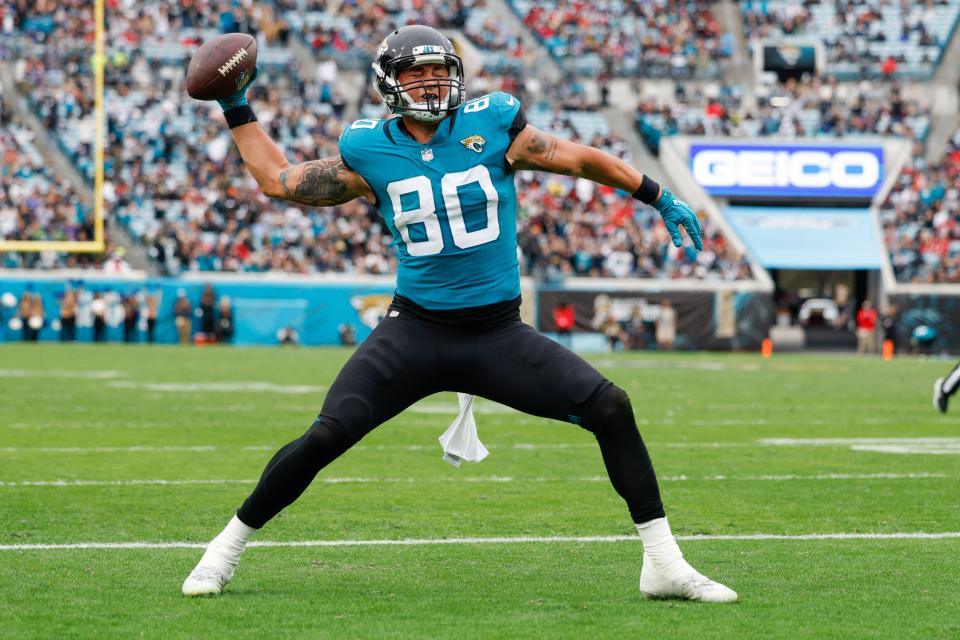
column 231, row 542
column 661, row 547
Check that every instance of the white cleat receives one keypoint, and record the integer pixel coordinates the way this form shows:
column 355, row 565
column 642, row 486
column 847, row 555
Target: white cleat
column 689, row 586
column 940, row 399
column 205, row 580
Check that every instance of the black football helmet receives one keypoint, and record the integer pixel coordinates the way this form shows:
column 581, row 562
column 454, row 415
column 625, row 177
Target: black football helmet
column 411, row 46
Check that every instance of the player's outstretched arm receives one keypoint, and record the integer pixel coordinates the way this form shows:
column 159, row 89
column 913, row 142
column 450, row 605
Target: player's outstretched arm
column 319, row 183
column 534, row 149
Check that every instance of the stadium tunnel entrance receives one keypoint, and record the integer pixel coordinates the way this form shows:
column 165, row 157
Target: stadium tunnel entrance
column 825, row 265
column 818, row 309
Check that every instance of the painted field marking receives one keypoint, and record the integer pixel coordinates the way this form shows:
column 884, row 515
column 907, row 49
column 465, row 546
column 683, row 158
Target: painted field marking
column 360, row 447
column 217, row 387
column 929, row 446
column 134, row 449
column 698, row 365
column 56, row 373
column 892, row 445
column 945, row 535
column 475, row 479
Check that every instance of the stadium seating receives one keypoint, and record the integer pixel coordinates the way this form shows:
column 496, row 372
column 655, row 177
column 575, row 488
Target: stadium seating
column 349, row 32
column 821, row 107
column 921, row 219
column 37, row 205
column 176, row 183
column 870, row 38
column 662, row 38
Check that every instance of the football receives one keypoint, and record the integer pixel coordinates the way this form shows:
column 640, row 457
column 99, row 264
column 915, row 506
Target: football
column 221, row 66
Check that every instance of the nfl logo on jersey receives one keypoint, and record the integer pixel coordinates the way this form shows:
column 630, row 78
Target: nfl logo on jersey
column 426, row 154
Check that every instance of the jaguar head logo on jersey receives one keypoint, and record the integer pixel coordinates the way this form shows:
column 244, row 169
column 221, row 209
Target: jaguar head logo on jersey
column 474, row 143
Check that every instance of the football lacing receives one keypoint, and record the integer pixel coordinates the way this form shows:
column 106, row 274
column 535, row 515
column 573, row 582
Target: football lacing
column 232, row 62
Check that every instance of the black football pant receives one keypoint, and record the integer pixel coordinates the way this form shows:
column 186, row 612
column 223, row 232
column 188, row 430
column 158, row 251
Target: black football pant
column 408, row 358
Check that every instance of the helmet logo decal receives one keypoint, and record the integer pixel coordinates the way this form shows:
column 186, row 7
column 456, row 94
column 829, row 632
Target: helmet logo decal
column 426, row 48
column 474, row 143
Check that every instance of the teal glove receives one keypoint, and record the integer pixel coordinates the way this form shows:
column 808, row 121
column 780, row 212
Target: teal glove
column 677, row 213
column 239, row 99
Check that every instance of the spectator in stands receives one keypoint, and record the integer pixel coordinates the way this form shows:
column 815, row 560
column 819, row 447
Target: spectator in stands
column 182, row 312
column 866, row 328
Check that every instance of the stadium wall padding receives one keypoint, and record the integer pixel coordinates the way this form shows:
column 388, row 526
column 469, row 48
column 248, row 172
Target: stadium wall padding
column 315, row 311
column 706, row 319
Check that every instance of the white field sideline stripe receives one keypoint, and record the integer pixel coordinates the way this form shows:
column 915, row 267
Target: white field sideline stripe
column 491, row 540
column 475, row 479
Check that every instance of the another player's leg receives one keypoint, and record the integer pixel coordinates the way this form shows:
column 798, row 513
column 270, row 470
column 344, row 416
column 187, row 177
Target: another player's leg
column 943, row 388
column 531, row 373
column 389, row 372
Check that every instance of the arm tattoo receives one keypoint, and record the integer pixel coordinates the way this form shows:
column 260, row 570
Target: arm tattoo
column 543, row 145
column 319, row 185
column 536, row 144
column 542, row 148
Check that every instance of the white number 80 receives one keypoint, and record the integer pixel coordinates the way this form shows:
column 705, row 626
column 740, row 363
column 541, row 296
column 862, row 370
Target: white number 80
column 426, row 212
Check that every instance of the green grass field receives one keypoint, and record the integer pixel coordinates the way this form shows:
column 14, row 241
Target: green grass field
column 123, row 444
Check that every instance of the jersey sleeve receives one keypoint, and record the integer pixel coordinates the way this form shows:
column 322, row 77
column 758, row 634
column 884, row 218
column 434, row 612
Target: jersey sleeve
column 348, row 148
column 511, row 116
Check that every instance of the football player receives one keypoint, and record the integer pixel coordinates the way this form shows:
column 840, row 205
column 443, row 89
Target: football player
column 441, row 176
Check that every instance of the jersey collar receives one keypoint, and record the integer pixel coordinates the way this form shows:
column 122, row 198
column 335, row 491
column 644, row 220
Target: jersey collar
column 443, row 131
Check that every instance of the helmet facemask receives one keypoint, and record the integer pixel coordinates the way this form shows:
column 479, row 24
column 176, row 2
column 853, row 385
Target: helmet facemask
column 432, row 108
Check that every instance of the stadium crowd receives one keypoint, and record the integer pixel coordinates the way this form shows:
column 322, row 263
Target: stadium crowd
column 861, row 38
column 37, row 205
column 809, row 107
column 175, row 181
column 921, row 219
column 660, row 38
column 350, row 31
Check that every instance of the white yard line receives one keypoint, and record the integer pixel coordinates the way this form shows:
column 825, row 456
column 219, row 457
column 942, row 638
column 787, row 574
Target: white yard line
column 56, row 373
column 217, row 387
column 134, row 449
column 835, row 442
column 361, row 447
column 490, row 540
column 891, row 445
column 475, row 479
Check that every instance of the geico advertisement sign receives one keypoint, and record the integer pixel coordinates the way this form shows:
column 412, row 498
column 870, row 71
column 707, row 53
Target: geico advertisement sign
column 787, row 170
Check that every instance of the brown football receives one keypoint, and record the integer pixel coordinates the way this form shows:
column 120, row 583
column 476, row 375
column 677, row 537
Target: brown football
column 221, row 66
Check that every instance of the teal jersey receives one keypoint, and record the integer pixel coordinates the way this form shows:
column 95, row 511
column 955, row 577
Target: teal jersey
column 450, row 204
